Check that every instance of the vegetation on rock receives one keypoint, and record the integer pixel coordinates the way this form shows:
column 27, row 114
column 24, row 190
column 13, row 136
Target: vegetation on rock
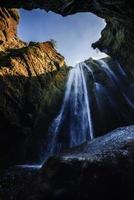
column 32, row 79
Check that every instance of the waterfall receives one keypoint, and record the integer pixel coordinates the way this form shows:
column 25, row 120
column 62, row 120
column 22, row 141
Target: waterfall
column 73, row 125
column 98, row 98
column 118, row 81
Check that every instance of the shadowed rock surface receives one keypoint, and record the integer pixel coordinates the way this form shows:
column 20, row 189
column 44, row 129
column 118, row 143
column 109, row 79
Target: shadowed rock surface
column 100, row 169
column 88, row 171
column 32, row 80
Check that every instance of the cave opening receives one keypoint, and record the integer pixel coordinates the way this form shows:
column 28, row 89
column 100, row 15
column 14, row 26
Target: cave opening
column 97, row 89
column 73, row 34
column 98, row 96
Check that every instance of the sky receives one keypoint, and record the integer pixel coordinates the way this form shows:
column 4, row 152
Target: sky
column 74, row 34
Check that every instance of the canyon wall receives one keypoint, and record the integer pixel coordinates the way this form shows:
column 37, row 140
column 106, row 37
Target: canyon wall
column 32, row 79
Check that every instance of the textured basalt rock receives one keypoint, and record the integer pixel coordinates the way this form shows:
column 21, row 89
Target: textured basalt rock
column 32, row 79
column 117, row 37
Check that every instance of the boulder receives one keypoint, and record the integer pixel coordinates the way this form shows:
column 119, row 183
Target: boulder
column 100, row 169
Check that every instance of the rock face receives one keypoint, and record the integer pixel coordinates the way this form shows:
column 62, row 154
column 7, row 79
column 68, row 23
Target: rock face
column 110, row 88
column 117, row 37
column 8, row 29
column 100, row 169
column 32, row 79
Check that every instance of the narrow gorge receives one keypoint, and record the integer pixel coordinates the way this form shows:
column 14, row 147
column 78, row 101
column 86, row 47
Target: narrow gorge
column 67, row 132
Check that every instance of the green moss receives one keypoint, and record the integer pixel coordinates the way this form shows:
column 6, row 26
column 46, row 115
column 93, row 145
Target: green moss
column 32, row 43
column 54, row 95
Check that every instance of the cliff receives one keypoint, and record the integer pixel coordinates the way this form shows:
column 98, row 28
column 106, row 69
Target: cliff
column 117, row 38
column 8, row 29
column 32, row 78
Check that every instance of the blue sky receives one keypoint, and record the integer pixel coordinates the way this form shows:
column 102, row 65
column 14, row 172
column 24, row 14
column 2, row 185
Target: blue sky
column 74, row 34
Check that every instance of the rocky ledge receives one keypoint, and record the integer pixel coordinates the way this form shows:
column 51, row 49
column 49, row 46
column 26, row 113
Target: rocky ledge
column 100, row 169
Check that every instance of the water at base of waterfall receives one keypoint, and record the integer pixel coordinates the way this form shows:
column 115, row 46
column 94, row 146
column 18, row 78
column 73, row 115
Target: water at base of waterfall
column 30, row 166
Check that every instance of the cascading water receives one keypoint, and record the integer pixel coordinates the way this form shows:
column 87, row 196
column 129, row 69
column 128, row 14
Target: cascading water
column 73, row 125
column 114, row 96
column 98, row 98
column 118, row 82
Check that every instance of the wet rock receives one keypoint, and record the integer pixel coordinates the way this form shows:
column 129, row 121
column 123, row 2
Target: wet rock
column 100, row 169
column 111, row 96
column 13, row 181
